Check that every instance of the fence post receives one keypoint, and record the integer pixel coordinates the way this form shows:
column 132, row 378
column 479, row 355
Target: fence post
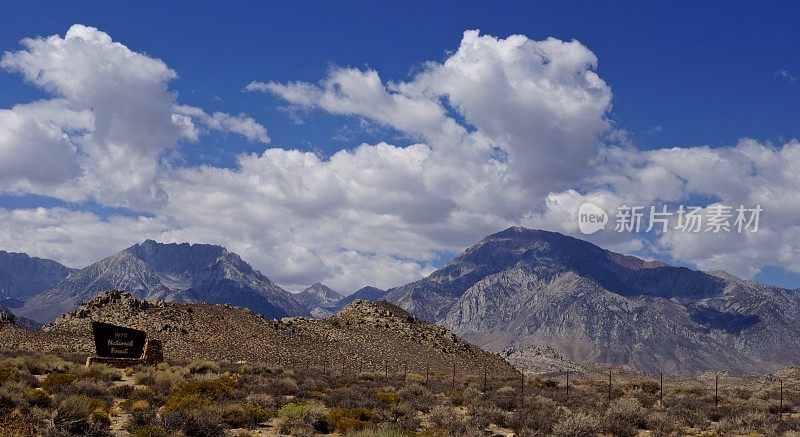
column 716, row 389
column 427, row 372
column 661, row 391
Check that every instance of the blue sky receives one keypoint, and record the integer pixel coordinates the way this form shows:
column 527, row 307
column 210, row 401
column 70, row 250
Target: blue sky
column 682, row 74
column 704, row 72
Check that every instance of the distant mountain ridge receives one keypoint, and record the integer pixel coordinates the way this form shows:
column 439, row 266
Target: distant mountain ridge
column 319, row 299
column 368, row 293
column 22, row 276
column 170, row 272
column 521, row 287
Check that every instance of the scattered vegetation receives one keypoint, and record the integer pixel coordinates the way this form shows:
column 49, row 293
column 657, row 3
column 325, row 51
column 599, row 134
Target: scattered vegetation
column 58, row 396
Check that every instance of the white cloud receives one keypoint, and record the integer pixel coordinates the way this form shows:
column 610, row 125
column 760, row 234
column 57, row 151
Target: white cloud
column 116, row 117
column 503, row 131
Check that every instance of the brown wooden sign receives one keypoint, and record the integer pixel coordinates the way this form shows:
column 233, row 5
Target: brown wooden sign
column 117, row 341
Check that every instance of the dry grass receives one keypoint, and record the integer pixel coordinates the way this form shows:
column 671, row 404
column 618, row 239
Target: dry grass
column 52, row 396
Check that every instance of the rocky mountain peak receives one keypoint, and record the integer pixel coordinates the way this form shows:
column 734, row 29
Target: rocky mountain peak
column 319, row 299
column 22, row 276
column 171, row 272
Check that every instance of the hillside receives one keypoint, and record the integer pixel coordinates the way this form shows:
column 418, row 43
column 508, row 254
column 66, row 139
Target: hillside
column 363, row 333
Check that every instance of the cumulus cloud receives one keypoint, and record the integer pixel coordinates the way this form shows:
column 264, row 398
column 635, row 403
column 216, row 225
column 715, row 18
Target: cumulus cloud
column 502, row 131
column 109, row 123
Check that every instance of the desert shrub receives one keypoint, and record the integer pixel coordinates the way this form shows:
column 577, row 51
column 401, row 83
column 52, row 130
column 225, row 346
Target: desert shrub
column 660, row 424
column 402, row 416
column 39, row 364
column 150, row 431
column 212, row 388
column 57, row 382
column 283, row 386
column 202, row 367
column 9, row 373
column 304, row 418
column 244, row 415
column 80, row 414
column 352, row 419
column 415, row 377
column 692, row 390
column 625, row 416
column 504, row 397
column 578, row 425
column 136, row 405
column 750, row 423
column 539, row 413
column 198, row 422
column 140, row 418
column 382, row 432
column 387, row 396
column 12, row 396
column 262, row 400
column 688, row 410
column 145, row 394
column 645, row 398
column 448, row 418
column 123, row 391
column 92, row 388
column 418, row 397
column 162, row 379
column 186, row 402
column 651, row 387
column 484, row 415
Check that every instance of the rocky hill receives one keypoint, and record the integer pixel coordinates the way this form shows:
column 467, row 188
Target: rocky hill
column 368, row 293
column 523, row 287
column 364, row 334
column 22, row 276
column 319, row 300
column 171, row 272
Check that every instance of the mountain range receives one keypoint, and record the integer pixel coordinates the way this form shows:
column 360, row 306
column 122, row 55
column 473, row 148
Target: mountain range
column 521, row 287
column 319, row 299
column 22, row 276
column 169, row 272
column 519, row 290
